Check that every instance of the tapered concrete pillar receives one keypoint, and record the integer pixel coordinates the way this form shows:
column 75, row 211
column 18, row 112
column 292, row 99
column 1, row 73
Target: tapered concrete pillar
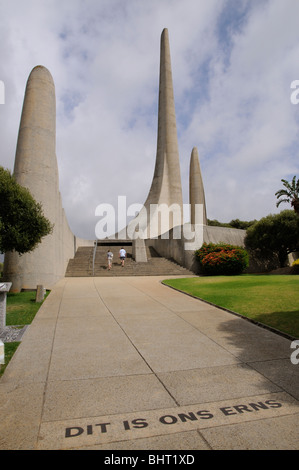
column 166, row 189
column 35, row 161
column 166, row 185
column 36, row 169
column 196, row 188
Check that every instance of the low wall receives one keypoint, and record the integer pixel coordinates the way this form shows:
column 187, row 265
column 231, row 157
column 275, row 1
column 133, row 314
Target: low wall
column 177, row 249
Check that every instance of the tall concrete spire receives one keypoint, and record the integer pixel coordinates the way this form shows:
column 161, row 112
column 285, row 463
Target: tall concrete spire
column 36, row 169
column 166, row 189
column 167, row 170
column 196, row 188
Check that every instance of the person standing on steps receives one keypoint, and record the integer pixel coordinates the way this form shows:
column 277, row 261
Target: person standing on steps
column 109, row 259
column 122, row 255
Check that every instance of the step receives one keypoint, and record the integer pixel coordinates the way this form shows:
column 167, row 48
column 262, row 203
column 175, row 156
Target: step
column 82, row 264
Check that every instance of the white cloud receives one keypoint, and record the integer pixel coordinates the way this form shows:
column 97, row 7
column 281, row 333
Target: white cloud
column 248, row 128
column 232, row 70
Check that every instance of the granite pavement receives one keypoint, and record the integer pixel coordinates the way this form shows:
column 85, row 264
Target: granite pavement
column 131, row 364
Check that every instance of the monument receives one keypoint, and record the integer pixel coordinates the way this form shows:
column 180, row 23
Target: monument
column 162, row 214
column 36, row 169
column 166, row 240
column 196, row 189
column 165, row 194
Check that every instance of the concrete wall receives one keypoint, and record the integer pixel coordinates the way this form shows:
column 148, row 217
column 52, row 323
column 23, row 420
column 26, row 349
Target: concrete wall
column 172, row 248
column 214, row 234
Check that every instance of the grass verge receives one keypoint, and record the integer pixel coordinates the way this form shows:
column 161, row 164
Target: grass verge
column 21, row 309
column 268, row 299
column 10, row 349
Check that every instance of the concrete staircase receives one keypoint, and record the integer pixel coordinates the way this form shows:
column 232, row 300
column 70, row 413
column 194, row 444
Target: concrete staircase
column 82, row 264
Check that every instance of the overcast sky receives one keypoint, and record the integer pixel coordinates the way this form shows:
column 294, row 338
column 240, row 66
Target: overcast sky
column 233, row 62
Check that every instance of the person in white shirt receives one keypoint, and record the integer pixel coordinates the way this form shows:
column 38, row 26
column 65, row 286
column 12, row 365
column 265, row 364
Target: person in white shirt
column 109, row 259
column 122, row 255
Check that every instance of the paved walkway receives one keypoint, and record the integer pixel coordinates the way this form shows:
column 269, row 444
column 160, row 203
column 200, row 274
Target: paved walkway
column 127, row 363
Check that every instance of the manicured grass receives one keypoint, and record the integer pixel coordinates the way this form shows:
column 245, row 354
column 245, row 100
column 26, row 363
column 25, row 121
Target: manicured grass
column 21, row 309
column 269, row 299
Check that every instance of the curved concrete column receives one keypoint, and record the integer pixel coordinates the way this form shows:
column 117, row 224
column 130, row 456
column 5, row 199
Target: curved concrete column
column 166, row 189
column 36, row 169
column 196, row 188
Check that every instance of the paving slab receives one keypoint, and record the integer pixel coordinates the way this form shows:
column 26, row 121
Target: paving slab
column 216, row 383
column 234, row 334
column 188, row 440
column 130, row 364
column 259, row 435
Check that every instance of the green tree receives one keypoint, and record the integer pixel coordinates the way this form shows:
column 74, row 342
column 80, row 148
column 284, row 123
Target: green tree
column 241, row 224
column 22, row 222
column 290, row 194
column 216, row 223
column 274, row 235
column 235, row 223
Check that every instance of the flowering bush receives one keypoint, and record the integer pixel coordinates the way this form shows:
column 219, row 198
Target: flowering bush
column 216, row 259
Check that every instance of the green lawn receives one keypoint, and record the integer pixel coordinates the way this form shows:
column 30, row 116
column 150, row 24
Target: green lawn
column 269, row 299
column 21, row 309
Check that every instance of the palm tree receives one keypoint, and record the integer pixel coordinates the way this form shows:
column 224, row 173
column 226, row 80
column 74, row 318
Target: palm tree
column 290, row 194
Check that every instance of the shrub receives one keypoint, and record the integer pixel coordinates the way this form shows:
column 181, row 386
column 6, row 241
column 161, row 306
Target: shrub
column 221, row 259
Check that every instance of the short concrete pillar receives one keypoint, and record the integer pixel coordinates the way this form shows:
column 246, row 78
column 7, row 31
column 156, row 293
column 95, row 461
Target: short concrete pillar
column 2, row 356
column 40, row 293
column 139, row 250
column 4, row 288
